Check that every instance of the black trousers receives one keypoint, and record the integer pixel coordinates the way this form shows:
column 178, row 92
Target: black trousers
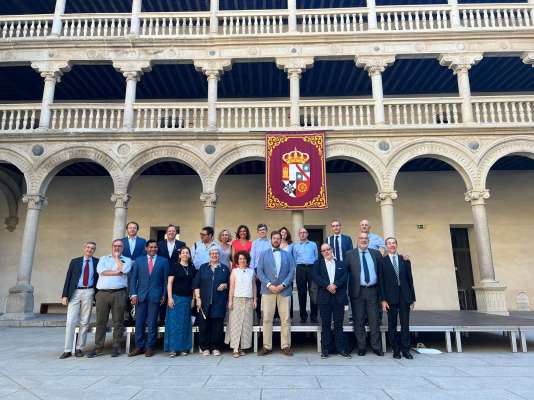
column 210, row 333
column 304, row 285
column 399, row 341
column 258, row 299
column 365, row 307
column 334, row 311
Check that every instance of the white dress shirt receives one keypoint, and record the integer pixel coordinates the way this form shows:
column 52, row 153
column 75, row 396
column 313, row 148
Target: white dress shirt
column 131, row 241
column 170, row 247
column 277, row 260
column 331, row 269
column 107, row 263
column 334, row 246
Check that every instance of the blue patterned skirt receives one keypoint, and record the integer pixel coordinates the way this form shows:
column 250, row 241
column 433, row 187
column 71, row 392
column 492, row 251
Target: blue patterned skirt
column 178, row 335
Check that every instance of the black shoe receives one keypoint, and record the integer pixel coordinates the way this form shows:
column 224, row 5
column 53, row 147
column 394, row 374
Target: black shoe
column 361, row 352
column 406, row 354
column 324, row 354
column 115, row 352
column 344, row 354
column 396, row 355
column 65, row 355
column 78, row 353
column 303, row 320
column 95, row 353
column 379, row 353
column 313, row 320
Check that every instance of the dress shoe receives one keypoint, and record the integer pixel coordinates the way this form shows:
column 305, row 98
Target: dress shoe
column 136, row 352
column 264, row 352
column 115, row 352
column 149, row 353
column 379, row 353
column 396, row 355
column 286, row 351
column 205, row 352
column 65, row 355
column 303, row 320
column 344, row 354
column 361, row 352
column 78, row 353
column 324, row 354
column 313, row 320
column 406, row 354
column 216, row 353
column 95, row 353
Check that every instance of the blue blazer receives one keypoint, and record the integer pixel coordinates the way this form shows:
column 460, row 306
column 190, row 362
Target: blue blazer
column 346, row 244
column 266, row 272
column 139, row 250
column 149, row 287
column 207, row 281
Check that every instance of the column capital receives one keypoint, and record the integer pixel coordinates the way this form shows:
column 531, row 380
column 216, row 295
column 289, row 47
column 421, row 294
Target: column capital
column 374, row 63
column 477, row 197
column 209, row 199
column 213, row 68
column 35, row 201
column 294, row 65
column 11, row 222
column 528, row 58
column 386, row 196
column 459, row 62
column 132, row 69
column 51, row 69
column 120, row 199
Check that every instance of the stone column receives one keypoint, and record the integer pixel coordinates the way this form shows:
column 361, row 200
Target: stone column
column 489, row 292
column 51, row 71
column 213, row 69
column 214, row 18
column 294, row 68
column 297, row 222
column 387, row 209
column 57, row 24
column 121, row 213
column 375, row 66
column 20, row 299
column 292, row 15
column 135, row 24
column 132, row 71
column 372, row 22
column 455, row 13
column 461, row 63
column 209, row 201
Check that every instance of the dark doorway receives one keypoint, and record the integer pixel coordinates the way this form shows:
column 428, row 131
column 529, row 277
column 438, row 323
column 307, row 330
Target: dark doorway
column 316, row 235
column 464, row 268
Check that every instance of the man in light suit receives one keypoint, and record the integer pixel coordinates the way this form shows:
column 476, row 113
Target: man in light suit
column 147, row 294
column 363, row 264
column 331, row 277
column 339, row 243
column 275, row 270
column 133, row 245
column 397, row 294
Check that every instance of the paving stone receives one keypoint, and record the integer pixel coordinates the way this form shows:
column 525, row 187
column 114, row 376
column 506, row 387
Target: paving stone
column 324, row 394
column 260, row 382
column 417, row 394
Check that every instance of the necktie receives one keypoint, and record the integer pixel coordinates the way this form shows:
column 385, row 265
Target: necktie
column 277, row 249
column 86, row 274
column 396, row 267
column 336, row 249
column 365, row 268
column 150, row 265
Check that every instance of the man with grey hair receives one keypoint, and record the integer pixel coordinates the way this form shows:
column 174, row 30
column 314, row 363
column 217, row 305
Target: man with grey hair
column 375, row 241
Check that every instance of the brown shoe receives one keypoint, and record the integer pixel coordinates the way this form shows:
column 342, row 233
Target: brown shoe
column 264, row 351
column 286, row 351
column 136, row 352
column 149, row 353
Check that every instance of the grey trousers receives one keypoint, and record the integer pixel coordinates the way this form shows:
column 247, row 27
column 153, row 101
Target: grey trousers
column 366, row 305
column 78, row 312
column 115, row 302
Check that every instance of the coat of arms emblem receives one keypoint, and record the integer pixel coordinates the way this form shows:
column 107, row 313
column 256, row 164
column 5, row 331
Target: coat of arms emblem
column 296, row 173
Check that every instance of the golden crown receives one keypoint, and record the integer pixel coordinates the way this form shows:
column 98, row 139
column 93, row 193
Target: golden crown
column 296, row 157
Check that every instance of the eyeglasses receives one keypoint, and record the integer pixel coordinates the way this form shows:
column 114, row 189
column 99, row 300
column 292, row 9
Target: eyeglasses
column 325, row 250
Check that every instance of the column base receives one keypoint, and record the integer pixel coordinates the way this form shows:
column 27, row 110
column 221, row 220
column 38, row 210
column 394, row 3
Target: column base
column 491, row 297
column 19, row 303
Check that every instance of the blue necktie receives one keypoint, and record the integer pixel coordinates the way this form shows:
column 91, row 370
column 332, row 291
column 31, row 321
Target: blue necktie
column 336, row 248
column 365, row 268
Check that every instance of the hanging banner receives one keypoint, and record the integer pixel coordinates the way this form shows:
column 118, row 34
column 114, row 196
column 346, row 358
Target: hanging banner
column 296, row 171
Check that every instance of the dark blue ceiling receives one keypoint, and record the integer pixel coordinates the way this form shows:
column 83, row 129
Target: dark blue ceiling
column 265, row 80
column 94, row 6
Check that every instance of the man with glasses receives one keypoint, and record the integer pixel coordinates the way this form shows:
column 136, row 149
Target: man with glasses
column 200, row 253
column 363, row 264
column 261, row 244
column 331, row 277
column 376, row 242
column 112, row 293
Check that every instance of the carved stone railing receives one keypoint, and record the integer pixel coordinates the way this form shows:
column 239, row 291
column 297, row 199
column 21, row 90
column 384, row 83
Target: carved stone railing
column 439, row 111
column 95, row 25
column 25, row 26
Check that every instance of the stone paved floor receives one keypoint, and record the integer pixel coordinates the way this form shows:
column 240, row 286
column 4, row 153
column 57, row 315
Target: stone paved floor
column 30, row 369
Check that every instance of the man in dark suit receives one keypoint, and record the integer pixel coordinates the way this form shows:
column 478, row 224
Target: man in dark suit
column 397, row 294
column 133, row 245
column 170, row 247
column 331, row 277
column 363, row 264
column 147, row 294
column 339, row 243
column 78, row 295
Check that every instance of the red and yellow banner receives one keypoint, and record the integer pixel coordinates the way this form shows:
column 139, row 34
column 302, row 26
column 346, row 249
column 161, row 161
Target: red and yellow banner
column 296, row 171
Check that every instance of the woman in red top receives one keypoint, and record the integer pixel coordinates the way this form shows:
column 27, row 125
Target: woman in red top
column 242, row 243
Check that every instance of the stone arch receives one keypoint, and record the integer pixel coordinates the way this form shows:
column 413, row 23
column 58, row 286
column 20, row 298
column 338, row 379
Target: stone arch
column 20, row 161
column 523, row 146
column 232, row 156
column 444, row 150
column 144, row 159
column 348, row 150
column 55, row 162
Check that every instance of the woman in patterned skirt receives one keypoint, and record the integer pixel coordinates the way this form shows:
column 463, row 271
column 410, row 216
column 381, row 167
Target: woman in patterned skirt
column 241, row 303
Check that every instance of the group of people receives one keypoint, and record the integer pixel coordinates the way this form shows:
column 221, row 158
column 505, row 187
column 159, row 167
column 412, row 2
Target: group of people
column 182, row 286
